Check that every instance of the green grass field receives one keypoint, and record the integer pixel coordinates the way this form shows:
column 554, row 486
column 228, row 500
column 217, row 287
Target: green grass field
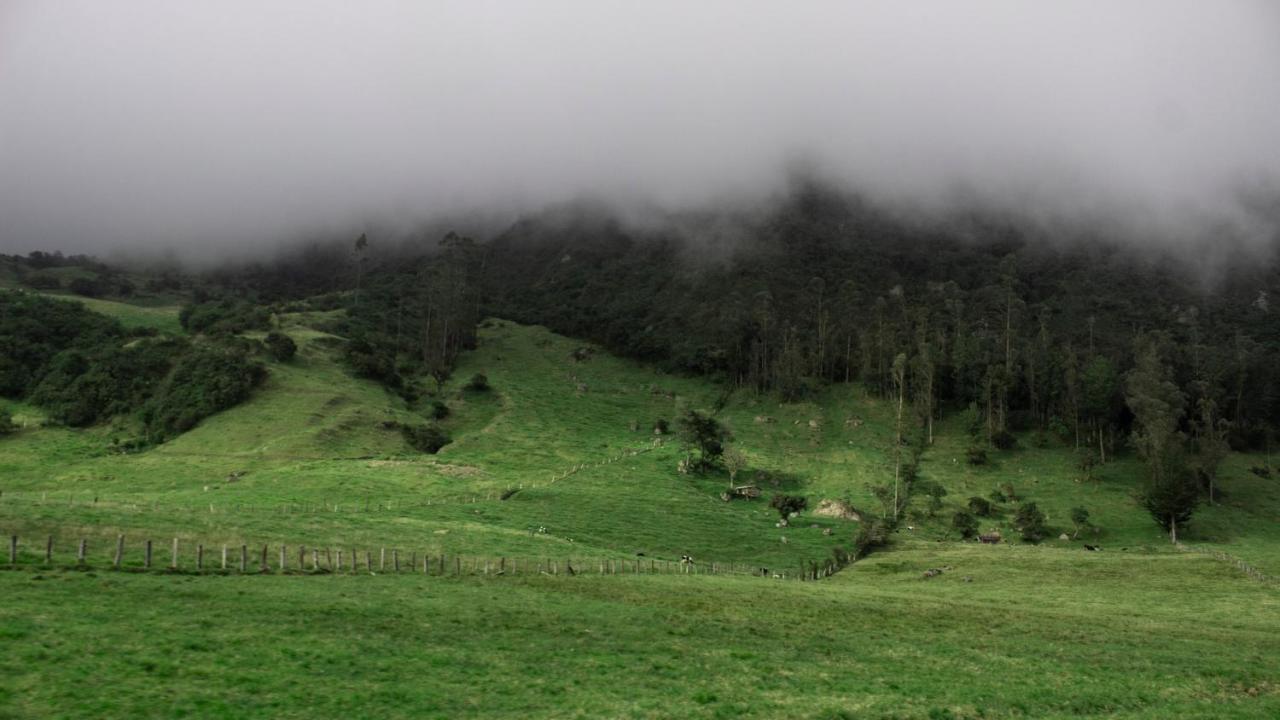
column 313, row 458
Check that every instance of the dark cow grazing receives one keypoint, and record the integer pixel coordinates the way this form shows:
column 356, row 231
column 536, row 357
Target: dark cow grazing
column 1092, row 548
column 990, row 538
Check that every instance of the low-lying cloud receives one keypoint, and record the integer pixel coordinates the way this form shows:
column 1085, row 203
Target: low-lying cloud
column 223, row 126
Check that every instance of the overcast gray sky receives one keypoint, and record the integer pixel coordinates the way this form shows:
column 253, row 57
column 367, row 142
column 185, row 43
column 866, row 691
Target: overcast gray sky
column 220, row 125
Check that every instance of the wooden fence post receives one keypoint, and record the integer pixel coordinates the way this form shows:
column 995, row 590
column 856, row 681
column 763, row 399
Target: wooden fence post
column 48, row 551
column 302, row 558
column 395, row 559
column 224, row 556
column 382, row 560
column 315, row 559
column 283, row 564
column 119, row 551
column 199, row 557
column 146, row 561
column 80, row 552
column 502, row 566
column 339, row 566
column 173, row 560
column 244, row 558
column 368, row 559
column 457, row 565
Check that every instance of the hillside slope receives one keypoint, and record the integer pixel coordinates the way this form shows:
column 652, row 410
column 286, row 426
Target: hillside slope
column 1139, row 631
column 315, row 456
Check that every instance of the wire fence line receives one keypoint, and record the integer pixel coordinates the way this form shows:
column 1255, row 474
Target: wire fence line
column 187, row 557
column 1240, row 565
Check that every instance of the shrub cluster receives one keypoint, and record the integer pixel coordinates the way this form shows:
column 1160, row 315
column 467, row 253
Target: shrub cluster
column 204, row 381
column 225, row 315
column 1030, row 522
column 85, row 387
column 980, row 506
column 425, row 438
column 872, row 535
column 88, row 287
column 787, row 504
column 965, row 524
column 281, row 346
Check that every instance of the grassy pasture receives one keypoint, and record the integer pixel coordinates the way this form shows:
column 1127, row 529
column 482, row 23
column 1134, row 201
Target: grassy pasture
column 315, row 457
column 1037, row 632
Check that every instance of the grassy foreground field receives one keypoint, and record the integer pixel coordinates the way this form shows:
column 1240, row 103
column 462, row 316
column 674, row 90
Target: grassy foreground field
column 1036, row 633
column 314, row 457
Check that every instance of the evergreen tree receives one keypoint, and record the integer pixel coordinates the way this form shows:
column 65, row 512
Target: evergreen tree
column 1157, row 406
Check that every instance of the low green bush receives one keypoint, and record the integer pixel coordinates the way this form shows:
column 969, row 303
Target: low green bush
column 425, row 438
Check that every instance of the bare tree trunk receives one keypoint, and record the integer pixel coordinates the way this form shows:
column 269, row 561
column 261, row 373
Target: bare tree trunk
column 897, row 447
column 848, row 355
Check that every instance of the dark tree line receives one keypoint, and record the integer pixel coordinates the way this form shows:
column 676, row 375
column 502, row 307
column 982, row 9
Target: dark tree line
column 1034, row 336
column 83, row 368
column 416, row 313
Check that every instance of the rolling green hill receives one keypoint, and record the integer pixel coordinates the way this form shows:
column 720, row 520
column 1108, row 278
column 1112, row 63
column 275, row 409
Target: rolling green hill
column 315, row 458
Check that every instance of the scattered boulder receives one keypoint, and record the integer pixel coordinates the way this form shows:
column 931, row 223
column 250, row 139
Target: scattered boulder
column 931, row 572
column 813, row 424
column 1064, row 536
column 837, row 509
column 826, row 531
column 762, row 419
column 990, row 538
column 854, row 422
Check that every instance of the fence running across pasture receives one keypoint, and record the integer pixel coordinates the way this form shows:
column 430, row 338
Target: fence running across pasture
column 1241, row 565
column 302, row 560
